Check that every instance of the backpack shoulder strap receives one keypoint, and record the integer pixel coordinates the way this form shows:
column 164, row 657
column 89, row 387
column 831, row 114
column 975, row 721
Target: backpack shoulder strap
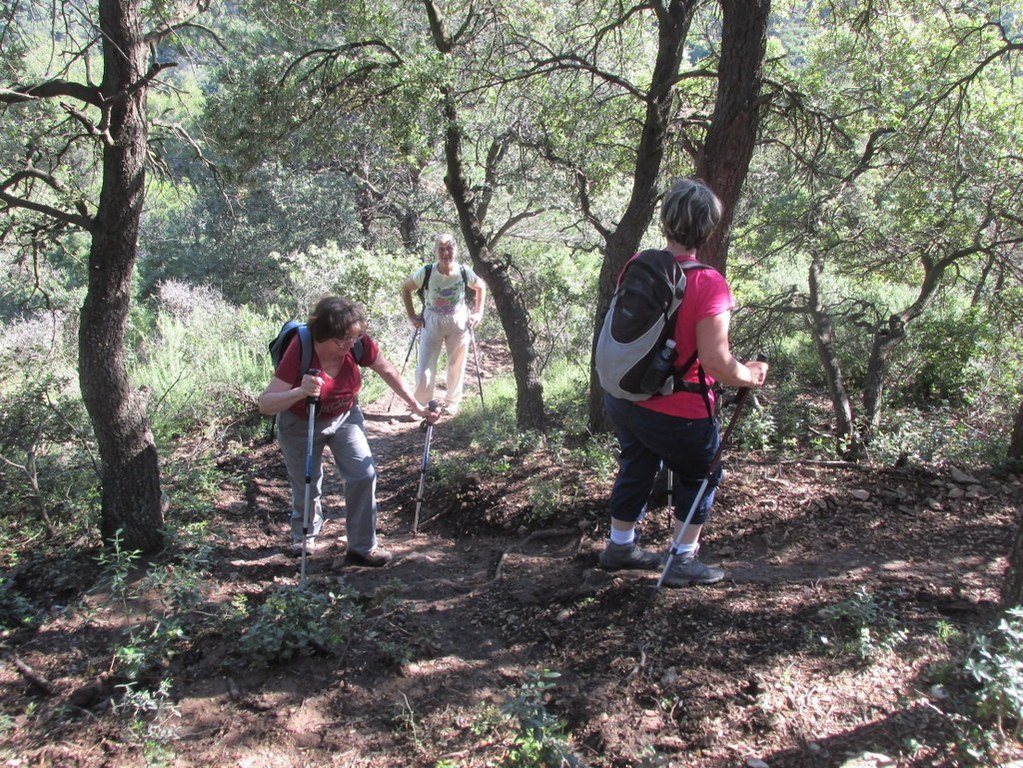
column 305, row 347
column 678, row 373
column 465, row 284
column 357, row 349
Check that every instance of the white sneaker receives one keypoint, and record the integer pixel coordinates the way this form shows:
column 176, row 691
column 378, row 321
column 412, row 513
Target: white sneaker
column 451, row 409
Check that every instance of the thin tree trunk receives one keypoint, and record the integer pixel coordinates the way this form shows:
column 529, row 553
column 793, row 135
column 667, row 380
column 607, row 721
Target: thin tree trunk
column 1012, row 586
column 823, row 339
column 130, row 469
column 1016, row 442
column 508, row 300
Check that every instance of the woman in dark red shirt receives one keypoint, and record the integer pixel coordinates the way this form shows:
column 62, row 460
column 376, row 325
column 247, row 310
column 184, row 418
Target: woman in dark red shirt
column 335, row 325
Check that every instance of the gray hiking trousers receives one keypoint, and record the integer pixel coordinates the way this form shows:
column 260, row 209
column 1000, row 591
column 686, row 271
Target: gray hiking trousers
column 346, row 438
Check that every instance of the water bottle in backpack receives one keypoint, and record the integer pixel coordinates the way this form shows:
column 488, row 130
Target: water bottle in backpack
column 659, row 370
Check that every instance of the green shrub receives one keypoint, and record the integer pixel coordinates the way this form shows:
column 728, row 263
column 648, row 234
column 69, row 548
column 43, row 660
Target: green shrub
column 540, row 739
column 296, row 622
column 996, row 665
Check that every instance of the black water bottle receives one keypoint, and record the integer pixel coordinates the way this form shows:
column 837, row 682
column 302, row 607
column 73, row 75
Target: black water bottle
column 659, row 369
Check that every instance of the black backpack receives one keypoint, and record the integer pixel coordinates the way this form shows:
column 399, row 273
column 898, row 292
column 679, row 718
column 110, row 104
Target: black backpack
column 639, row 321
column 426, row 282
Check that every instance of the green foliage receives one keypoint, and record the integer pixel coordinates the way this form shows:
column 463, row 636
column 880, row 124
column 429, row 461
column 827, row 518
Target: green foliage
column 540, row 740
column 545, row 499
column 48, row 475
column 295, row 622
column 148, row 715
column 204, row 354
column 861, row 626
column 15, row 609
column 938, row 435
column 117, row 564
column 996, row 665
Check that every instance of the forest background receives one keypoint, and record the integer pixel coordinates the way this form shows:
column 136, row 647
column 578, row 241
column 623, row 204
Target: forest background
column 177, row 180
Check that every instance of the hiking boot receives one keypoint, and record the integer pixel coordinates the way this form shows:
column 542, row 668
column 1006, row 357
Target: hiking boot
column 689, row 570
column 616, row 557
column 375, row 559
column 310, row 546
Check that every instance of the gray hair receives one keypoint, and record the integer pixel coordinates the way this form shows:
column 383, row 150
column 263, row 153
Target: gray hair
column 446, row 239
column 689, row 212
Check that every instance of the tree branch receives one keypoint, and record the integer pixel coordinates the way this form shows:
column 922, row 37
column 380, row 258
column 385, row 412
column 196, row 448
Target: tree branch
column 52, row 89
column 183, row 18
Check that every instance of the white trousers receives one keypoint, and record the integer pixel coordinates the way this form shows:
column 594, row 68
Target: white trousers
column 450, row 333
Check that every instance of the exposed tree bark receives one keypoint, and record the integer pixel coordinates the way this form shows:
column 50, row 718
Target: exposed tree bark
column 886, row 339
column 673, row 22
column 129, row 468
column 508, row 300
column 131, row 474
column 1012, row 587
column 1016, row 442
column 472, row 205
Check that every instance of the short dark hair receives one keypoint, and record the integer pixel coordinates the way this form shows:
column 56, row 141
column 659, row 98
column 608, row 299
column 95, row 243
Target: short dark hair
column 689, row 212
column 335, row 318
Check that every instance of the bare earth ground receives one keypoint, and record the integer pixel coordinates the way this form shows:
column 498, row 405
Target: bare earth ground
column 753, row 669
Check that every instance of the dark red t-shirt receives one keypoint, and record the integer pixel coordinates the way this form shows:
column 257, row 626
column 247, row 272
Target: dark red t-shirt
column 337, row 394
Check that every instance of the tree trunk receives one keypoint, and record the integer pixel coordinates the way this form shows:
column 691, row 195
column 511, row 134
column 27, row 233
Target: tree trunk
column 130, row 468
column 887, row 339
column 724, row 160
column 823, row 339
column 1016, row 442
column 623, row 242
column 508, row 300
column 1012, row 587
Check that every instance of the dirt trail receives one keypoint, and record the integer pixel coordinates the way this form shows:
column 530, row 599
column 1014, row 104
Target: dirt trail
column 758, row 667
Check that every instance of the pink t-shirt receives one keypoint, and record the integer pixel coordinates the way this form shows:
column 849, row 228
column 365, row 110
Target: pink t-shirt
column 707, row 294
column 337, row 394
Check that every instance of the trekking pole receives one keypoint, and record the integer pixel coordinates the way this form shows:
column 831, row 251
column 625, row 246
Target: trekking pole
column 476, row 360
column 740, row 400
column 415, row 335
column 433, row 406
column 311, row 403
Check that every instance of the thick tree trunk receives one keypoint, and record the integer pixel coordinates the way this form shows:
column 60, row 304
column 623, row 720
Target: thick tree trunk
column 131, row 474
column 734, row 127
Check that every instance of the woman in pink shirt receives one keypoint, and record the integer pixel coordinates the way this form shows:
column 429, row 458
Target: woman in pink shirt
column 679, row 429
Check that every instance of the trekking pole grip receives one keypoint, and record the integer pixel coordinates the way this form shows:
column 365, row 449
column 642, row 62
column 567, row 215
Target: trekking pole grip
column 313, row 400
column 433, row 406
